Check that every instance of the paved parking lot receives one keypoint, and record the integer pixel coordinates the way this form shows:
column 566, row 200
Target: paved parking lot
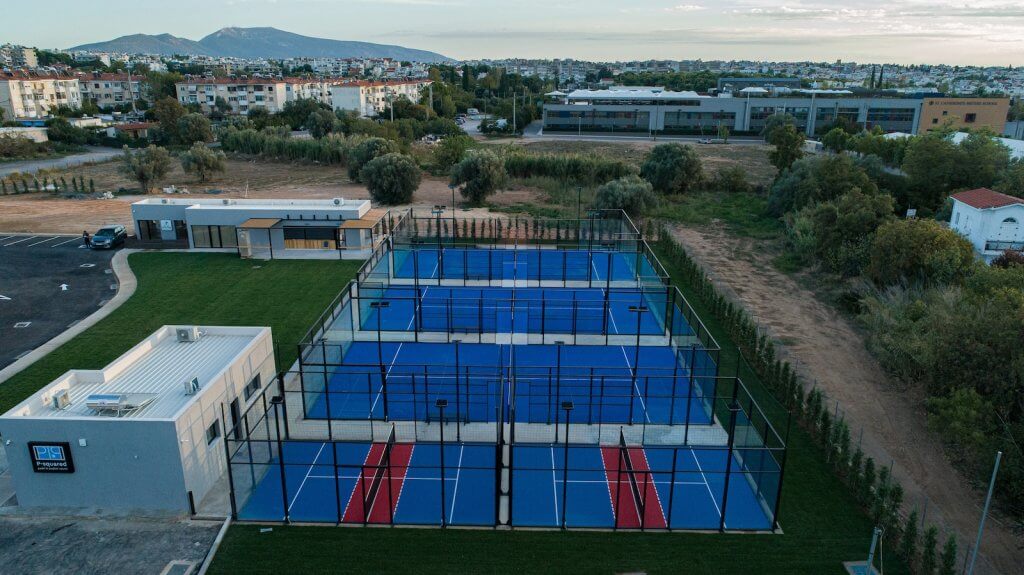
column 47, row 283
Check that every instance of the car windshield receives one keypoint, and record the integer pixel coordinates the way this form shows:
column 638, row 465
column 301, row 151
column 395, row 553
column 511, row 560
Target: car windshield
column 105, row 232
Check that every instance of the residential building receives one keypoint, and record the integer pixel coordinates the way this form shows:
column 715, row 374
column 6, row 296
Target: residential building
column 106, row 90
column 143, row 435
column 370, row 98
column 960, row 113
column 13, row 57
column 29, row 95
column 768, row 82
column 291, row 229
column 990, row 220
column 243, row 94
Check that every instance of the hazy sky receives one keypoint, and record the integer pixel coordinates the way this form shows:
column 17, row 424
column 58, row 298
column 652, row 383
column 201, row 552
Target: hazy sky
column 904, row 31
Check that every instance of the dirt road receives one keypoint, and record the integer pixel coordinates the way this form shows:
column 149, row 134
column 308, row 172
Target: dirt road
column 828, row 350
column 94, row 154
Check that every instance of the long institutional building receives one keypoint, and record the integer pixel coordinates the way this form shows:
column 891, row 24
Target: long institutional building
column 654, row 109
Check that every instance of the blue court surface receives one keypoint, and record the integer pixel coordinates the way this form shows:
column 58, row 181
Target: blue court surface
column 679, row 488
column 322, row 489
column 521, row 264
column 667, row 388
column 519, row 310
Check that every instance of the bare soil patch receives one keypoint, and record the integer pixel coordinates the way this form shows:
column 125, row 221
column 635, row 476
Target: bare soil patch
column 45, row 212
column 829, row 351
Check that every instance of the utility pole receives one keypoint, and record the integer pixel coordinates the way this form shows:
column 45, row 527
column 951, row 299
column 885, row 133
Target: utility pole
column 984, row 513
column 131, row 93
column 513, row 113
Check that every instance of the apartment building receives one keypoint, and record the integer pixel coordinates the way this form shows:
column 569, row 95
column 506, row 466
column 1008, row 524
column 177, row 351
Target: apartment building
column 27, row 95
column 654, row 109
column 244, row 94
column 370, row 98
column 107, row 90
column 13, row 56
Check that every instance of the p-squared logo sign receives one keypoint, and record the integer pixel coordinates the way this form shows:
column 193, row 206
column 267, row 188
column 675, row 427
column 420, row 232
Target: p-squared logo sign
column 51, row 457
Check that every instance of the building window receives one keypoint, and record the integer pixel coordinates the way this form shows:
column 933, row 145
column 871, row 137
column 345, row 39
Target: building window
column 213, row 432
column 957, row 219
column 252, row 387
column 214, row 237
column 935, row 120
column 1010, row 221
column 970, row 118
column 310, row 238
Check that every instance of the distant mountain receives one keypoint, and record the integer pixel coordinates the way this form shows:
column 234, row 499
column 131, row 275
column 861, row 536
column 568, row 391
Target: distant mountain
column 164, row 44
column 259, row 43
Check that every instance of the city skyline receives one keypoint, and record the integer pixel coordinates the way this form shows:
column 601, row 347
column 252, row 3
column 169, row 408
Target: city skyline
column 901, row 31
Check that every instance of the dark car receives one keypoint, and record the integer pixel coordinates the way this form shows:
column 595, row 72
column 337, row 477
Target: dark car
column 109, row 237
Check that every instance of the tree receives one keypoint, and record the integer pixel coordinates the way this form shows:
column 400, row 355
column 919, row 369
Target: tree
column 162, row 84
column 985, row 159
column 61, row 130
column 817, row 179
column 1009, row 258
column 723, row 133
column 929, row 551
column 203, row 161
column 480, row 173
column 167, row 111
column 920, row 250
column 1011, row 181
column 391, row 179
column 843, row 228
column 320, row 123
column 632, row 194
column 776, row 121
column 908, row 544
column 947, row 562
column 731, row 179
column 296, row 112
column 835, row 140
column 789, row 146
column 450, row 151
column 672, row 168
column 194, row 128
column 146, row 166
column 364, row 151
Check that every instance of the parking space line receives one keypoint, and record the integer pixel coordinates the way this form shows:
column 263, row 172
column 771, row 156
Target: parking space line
column 7, row 238
column 43, row 241
column 74, row 239
column 21, row 240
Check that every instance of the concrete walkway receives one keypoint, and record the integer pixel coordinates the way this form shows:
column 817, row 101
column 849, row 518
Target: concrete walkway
column 126, row 284
column 94, row 154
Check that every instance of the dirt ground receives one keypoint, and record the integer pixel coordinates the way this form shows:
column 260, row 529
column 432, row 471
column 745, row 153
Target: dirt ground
column 45, row 212
column 829, row 351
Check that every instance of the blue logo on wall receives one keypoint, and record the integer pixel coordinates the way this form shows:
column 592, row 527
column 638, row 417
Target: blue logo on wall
column 51, row 457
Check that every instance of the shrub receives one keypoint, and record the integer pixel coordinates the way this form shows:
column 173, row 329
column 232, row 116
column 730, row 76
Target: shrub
column 731, row 179
column 368, row 149
column 480, row 174
column 450, row 151
column 194, row 128
column 391, row 179
column 146, row 166
column 202, row 161
column 672, row 168
column 929, row 551
column 61, row 130
column 919, row 250
column 1008, row 259
column 632, row 194
column 578, row 168
column 817, row 179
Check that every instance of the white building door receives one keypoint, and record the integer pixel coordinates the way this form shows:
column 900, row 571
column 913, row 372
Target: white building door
column 1008, row 230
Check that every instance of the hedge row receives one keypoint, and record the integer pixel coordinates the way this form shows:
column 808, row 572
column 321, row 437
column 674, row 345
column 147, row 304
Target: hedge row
column 21, row 185
column 880, row 496
column 591, row 170
column 332, row 149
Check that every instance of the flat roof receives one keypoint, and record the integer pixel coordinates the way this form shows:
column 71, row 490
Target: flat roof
column 218, row 203
column 153, row 373
column 369, row 219
column 259, row 223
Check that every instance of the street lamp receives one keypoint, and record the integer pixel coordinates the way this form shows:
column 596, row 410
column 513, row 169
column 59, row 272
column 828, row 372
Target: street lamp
column 568, row 407
column 455, row 227
column 437, row 211
column 441, row 404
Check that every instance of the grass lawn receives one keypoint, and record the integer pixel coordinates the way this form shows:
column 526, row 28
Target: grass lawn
column 744, row 214
column 821, row 522
column 211, row 289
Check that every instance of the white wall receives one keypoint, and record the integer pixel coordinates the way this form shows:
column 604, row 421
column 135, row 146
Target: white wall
column 983, row 226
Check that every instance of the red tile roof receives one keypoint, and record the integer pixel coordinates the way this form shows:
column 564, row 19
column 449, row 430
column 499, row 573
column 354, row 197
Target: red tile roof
column 984, row 198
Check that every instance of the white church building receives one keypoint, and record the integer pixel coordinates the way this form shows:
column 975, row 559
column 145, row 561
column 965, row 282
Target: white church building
column 992, row 221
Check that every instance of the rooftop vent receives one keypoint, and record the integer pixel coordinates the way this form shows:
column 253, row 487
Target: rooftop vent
column 339, row 201
column 60, row 400
column 192, row 386
column 118, row 403
column 187, row 334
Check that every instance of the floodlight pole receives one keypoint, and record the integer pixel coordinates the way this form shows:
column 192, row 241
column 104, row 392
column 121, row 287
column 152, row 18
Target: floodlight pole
column 984, row 513
column 568, row 407
column 871, row 551
column 638, row 310
column 441, row 404
column 455, row 228
column 380, row 305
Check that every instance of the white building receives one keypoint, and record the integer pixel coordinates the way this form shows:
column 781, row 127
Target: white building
column 143, row 435
column 245, row 94
column 106, row 90
column 990, row 220
column 26, row 95
column 372, row 98
column 293, row 229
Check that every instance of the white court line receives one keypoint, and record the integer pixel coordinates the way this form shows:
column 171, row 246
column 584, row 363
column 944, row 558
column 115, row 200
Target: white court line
column 708, row 485
column 21, row 240
column 74, row 239
column 44, row 241
column 571, row 481
column 455, row 492
column 401, row 488
column 643, row 404
column 650, row 479
column 303, row 484
column 554, row 482
column 406, row 479
column 381, row 390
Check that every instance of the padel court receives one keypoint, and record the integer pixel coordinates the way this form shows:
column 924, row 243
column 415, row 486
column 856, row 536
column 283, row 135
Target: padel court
column 426, row 263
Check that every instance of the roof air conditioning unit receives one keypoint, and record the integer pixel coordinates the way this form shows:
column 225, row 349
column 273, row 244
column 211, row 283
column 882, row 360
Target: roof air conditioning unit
column 339, row 201
column 164, row 201
column 187, row 334
column 61, row 400
column 192, row 386
column 226, row 201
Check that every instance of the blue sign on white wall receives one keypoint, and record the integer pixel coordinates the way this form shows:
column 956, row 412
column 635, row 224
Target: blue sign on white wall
column 51, row 457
